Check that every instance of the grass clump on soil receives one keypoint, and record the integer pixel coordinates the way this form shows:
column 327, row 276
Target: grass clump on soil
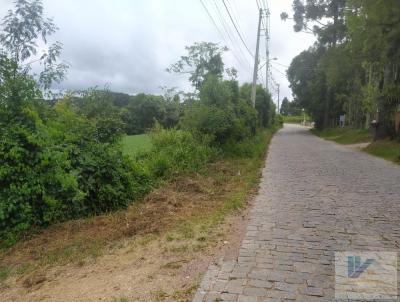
column 345, row 136
column 387, row 149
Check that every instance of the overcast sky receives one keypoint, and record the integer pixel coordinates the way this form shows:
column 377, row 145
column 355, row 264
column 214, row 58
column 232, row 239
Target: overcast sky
column 128, row 44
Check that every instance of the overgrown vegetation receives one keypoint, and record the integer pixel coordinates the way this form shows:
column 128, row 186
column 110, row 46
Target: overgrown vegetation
column 183, row 213
column 353, row 68
column 66, row 158
column 387, row 149
column 345, row 136
column 296, row 119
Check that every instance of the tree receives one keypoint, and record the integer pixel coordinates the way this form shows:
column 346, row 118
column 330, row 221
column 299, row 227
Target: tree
column 202, row 59
column 374, row 31
column 98, row 107
column 285, row 107
column 60, row 162
column 264, row 106
column 23, row 29
column 354, row 67
column 308, row 83
column 327, row 18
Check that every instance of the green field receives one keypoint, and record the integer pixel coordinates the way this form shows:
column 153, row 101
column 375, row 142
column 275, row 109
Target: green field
column 345, row 136
column 386, row 149
column 134, row 143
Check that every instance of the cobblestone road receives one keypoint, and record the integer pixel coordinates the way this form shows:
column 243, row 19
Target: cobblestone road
column 315, row 198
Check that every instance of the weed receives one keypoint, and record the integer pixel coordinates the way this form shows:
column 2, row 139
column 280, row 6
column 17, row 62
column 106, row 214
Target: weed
column 160, row 295
column 386, row 149
column 5, row 272
column 345, row 136
column 185, row 293
column 121, row 299
column 179, row 248
column 169, row 237
column 145, row 240
column 187, row 230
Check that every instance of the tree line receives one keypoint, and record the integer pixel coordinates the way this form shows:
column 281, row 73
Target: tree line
column 354, row 67
column 61, row 158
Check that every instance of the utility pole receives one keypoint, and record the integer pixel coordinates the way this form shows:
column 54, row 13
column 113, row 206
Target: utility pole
column 267, row 38
column 254, row 87
column 278, row 98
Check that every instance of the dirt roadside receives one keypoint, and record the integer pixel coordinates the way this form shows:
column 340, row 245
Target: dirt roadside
column 157, row 250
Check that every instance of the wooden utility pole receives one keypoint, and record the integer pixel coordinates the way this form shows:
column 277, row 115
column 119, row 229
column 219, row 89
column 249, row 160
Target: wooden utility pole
column 278, row 98
column 254, row 87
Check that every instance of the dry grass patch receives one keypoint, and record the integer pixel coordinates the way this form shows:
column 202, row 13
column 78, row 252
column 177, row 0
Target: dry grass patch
column 168, row 232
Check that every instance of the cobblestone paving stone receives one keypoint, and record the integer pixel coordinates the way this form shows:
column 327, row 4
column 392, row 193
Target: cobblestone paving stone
column 315, row 198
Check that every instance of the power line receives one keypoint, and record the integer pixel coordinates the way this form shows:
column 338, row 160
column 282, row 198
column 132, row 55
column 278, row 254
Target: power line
column 236, row 16
column 212, row 19
column 283, row 65
column 278, row 70
column 226, row 28
column 233, row 22
column 219, row 31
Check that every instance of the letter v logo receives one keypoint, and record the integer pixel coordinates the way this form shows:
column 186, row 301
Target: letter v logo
column 354, row 266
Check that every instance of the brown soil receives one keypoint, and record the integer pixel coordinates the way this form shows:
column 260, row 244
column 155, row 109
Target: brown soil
column 156, row 250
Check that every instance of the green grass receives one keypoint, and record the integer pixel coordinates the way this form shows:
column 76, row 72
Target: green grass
column 4, row 273
column 134, row 143
column 386, row 149
column 345, row 136
column 295, row 119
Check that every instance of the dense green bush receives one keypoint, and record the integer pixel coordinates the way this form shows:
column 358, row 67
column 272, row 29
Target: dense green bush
column 279, row 119
column 97, row 106
column 209, row 120
column 251, row 147
column 218, row 114
column 174, row 151
column 58, row 169
column 144, row 110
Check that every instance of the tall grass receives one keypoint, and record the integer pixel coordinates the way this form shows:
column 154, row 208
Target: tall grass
column 252, row 147
column 345, row 136
column 175, row 151
column 386, row 149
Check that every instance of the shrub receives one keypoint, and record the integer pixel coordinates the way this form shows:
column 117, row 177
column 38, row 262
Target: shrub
column 174, row 151
column 209, row 120
column 279, row 120
column 57, row 170
column 251, row 147
column 220, row 113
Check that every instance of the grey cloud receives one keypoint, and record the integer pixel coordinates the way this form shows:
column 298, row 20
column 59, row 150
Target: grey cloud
column 129, row 44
